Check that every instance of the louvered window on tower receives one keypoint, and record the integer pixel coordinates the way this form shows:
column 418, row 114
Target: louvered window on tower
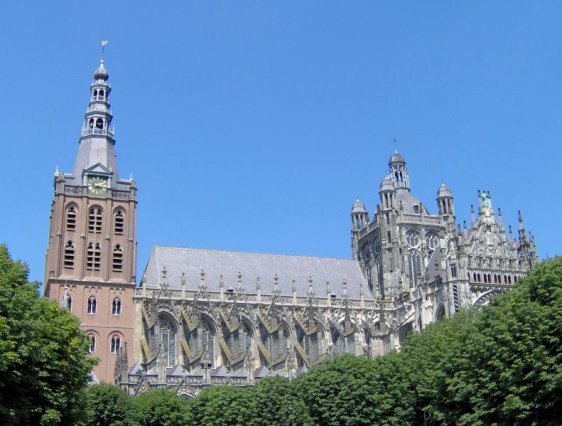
column 94, row 220
column 117, row 258
column 71, row 218
column 69, row 255
column 119, row 222
column 93, row 257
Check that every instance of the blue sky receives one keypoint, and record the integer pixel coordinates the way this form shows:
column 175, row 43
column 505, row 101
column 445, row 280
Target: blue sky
column 253, row 125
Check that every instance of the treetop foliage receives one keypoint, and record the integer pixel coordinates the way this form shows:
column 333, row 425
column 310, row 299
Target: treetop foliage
column 44, row 365
column 500, row 364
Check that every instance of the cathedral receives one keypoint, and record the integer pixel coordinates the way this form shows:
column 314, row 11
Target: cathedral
column 200, row 317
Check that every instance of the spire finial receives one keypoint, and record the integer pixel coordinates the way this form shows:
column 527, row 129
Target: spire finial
column 395, row 142
column 103, row 44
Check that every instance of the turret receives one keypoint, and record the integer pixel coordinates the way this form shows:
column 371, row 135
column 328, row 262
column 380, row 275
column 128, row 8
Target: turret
column 445, row 201
column 398, row 172
column 359, row 220
column 387, row 194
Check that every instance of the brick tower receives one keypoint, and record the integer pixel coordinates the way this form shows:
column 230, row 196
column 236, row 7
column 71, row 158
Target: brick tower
column 91, row 256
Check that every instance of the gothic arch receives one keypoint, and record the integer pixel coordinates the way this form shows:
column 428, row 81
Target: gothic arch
column 485, row 297
column 440, row 312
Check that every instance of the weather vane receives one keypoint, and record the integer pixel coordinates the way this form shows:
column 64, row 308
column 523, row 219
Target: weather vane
column 103, row 44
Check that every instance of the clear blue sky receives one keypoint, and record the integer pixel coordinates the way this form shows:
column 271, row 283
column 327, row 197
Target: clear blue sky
column 252, row 125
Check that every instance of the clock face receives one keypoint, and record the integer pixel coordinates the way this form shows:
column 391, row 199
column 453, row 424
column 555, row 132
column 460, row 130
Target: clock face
column 97, row 185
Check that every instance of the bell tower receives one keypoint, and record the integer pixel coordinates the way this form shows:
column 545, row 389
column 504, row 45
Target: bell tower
column 90, row 265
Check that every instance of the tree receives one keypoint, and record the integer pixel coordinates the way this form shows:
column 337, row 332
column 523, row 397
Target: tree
column 422, row 354
column 275, row 403
column 508, row 369
column 159, row 407
column 356, row 391
column 44, row 363
column 222, row 406
column 107, row 405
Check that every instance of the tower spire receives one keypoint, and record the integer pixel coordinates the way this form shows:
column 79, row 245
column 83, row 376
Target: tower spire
column 97, row 139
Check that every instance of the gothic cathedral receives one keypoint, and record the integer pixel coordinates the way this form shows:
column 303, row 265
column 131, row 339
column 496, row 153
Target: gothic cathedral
column 201, row 317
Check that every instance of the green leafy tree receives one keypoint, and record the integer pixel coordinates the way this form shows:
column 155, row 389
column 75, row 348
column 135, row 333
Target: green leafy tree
column 107, row 405
column 356, row 391
column 44, row 363
column 159, row 407
column 508, row 370
column 422, row 355
column 275, row 403
column 222, row 406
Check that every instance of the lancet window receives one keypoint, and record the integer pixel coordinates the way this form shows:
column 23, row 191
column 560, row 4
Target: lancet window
column 238, row 341
column 275, row 343
column 168, row 340
column 200, row 341
column 92, row 305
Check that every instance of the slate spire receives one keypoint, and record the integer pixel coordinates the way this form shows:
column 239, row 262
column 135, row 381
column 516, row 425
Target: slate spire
column 97, row 140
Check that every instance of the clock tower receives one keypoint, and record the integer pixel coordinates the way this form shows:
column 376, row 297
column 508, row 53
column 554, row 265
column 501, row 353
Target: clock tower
column 91, row 256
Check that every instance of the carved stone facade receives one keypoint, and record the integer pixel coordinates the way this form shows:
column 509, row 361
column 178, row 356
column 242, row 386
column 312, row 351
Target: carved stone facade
column 204, row 317
column 208, row 317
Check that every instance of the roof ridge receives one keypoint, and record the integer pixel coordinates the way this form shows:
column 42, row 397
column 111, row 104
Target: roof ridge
column 250, row 252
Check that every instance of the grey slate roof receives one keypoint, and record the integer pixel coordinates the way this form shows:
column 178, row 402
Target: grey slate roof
column 251, row 266
column 409, row 201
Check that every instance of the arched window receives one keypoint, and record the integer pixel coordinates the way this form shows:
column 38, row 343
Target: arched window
column 71, row 218
column 440, row 313
column 95, row 220
column 119, row 222
column 69, row 254
column 92, row 305
column 99, row 123
column 91, row 123
column 276, row 345
column 115, row 343
column 311, row 345
column 509, row 279
column 117, row 258
column 344, row 344
column 168, row 340
column 116, row 306
column 200, row 341
column 238, row 341
column 69, row 303
column 93, row 257
column 95, row 93
column 92, row 347
column 414, row 260
column 102, row 94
